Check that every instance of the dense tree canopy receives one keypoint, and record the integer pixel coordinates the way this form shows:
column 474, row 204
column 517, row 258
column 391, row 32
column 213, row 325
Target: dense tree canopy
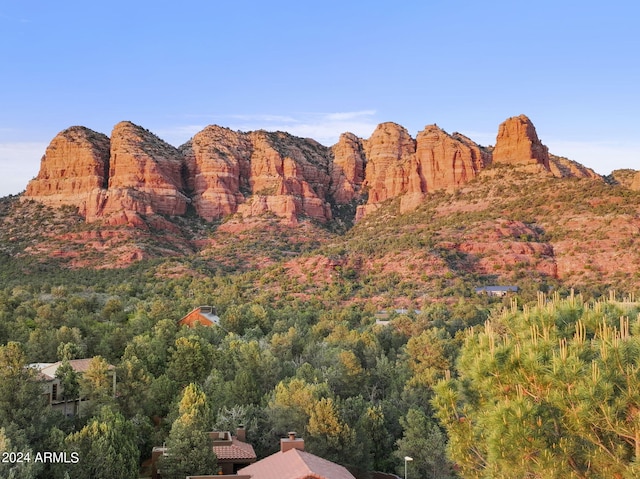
column 549, row 391
column 106, row 448
column 537, row 388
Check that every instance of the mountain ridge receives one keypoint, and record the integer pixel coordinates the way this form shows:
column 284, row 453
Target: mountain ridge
column 434, row 214
column 220, row 172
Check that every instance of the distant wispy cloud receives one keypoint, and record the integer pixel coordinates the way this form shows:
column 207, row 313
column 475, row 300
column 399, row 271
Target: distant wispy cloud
column 322, row 127
column 19, row 162
column 8, row 18
column 350, row 115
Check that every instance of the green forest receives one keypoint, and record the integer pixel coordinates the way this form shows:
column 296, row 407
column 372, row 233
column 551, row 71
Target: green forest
column 474, row 387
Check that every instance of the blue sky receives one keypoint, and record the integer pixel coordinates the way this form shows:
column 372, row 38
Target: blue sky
column 319, row 68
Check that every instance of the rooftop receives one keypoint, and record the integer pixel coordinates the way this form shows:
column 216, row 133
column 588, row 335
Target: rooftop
column 48, row 370
column 295, row 464
column 235, row 450
column 208, row 313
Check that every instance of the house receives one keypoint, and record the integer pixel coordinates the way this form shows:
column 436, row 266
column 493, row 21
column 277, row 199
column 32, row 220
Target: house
column 497, row 291
column 203, row 315
column 293, row 462
column 233, row 453
column 52, row 388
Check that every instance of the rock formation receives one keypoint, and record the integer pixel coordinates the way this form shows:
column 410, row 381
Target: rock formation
column 347, row 171
column 517, row 143
column 448, row 161
column 390, row 153
column 288, row 177
column 564, row 168
column 145, row 169
column 135, row 175
column 218, row 163
column 397, row 165
column 76, row 162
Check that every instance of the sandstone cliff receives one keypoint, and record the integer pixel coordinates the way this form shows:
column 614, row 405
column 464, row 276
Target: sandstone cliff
column 398, row 166
column 289, row 177
column 517, row 143
column 347, row 170
column 143, row 165
column 221, row 172
column 218, row 163
column 390, row 153
column 75, row 163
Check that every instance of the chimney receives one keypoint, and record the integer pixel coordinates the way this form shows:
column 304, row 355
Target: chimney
column 292, row 442
column 241, row 433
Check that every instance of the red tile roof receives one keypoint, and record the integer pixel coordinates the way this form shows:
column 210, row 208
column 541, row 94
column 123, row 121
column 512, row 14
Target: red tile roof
column 235, row 450
column 295, row 464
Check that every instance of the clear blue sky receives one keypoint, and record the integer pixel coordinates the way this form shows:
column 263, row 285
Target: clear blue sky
column 318, row 68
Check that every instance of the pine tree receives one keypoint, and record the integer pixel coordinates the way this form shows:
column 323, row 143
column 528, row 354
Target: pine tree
column 106, row 448
column 68, row 382
column 189, row 447
column 425, row 443
column 21, row 404
column 551, row 391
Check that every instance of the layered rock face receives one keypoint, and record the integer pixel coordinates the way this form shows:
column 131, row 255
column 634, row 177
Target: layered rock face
column 255, row 173
column 76, row 163
column 390, row 153
column 218, row 163
column 223, row 172
column 143, row 163
column 397, row 165
column 448, row 161
column 288, row 177
column 517, row 143
column 347, row 171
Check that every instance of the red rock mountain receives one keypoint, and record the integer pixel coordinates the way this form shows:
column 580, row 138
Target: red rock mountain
column 347, row 170
column 220, row 172
column 218, row 162
column 75, row 163
column 518, row 144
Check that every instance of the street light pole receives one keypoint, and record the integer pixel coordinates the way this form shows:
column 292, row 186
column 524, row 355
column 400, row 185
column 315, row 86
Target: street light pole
column 406, row 459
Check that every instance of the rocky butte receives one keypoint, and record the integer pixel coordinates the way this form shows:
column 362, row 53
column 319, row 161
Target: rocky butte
column 219, row 172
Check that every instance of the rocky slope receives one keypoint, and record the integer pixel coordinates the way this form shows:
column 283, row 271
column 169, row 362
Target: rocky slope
column 226, row 174
column 438, row 213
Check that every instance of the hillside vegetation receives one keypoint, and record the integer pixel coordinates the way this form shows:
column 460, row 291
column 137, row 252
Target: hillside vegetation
column 300, row 346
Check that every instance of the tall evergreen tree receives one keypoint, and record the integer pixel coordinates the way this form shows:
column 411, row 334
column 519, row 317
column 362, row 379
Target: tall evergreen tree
column 69, row 383
column 106, row 448
column 425, row 443
column 21, row 404
column 189, row 447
